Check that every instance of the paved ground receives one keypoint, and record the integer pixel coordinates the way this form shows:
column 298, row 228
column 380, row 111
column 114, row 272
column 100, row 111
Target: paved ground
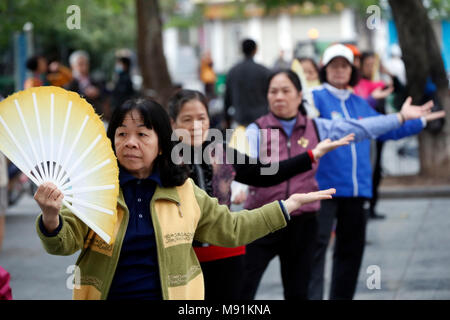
column 34, row 273
column 410, row 247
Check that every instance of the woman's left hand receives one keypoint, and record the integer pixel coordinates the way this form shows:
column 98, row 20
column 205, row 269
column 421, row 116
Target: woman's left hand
column 435, row 115
column 328, row 145
column 410, row 111
column 380, row 93
column 296, row 200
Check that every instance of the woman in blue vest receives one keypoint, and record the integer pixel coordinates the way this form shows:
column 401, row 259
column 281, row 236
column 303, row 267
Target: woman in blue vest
column 284, row 133
column 353, row 181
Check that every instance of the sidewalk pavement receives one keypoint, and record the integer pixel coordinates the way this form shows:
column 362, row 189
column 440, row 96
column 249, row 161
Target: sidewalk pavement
column 393, row 192
column 408, row 250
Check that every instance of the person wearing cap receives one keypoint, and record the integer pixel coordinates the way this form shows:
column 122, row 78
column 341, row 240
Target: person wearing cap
column 353, row 179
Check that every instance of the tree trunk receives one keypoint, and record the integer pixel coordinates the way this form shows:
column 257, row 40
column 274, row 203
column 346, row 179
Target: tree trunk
column 422, row 57
column 156, row 78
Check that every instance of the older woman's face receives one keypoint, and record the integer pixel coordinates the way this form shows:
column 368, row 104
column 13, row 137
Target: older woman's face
column 193, row 118
column 283, row 97
column 339, row 72
column 81, row 66
column 136, row 145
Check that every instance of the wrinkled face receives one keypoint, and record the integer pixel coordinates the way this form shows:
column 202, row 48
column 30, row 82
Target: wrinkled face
column 283, row 97
column 136, row 145
column 193, row 117
column 339, row 72
column 309, row 70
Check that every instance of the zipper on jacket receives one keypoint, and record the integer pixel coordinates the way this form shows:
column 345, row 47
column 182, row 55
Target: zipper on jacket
column 353, row 151
column 289, row 155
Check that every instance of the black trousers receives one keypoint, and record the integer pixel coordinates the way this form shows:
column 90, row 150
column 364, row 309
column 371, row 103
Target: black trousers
column 376, row 176
column 294, row 245
column 223, row 278
column 348, row 250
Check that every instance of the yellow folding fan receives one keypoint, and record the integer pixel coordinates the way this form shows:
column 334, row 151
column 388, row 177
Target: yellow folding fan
column 54, row 135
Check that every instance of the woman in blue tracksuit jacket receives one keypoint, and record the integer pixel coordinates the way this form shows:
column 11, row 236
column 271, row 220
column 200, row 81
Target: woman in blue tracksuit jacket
column 348, row 169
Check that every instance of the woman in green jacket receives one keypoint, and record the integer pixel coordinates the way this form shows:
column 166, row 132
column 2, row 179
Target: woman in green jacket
column 160, row 212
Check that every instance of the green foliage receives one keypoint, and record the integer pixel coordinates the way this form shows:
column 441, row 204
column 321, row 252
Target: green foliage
column 105, row 26
column 174, row 17
column 438, row 9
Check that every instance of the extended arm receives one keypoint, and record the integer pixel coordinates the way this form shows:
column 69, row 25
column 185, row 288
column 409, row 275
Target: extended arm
column 249, row 171
column 269, row 174
column 367, row 128
column 219, row 226
column 383, row 127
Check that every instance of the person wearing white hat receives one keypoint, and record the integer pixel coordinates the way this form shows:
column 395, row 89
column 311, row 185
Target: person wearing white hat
column 337, row 50
column 353, row 181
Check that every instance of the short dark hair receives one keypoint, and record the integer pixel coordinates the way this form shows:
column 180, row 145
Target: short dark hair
column 156, row 118
column 248, row 47
column 365, row 55
column 354, row 78
column 316, row 67
column 32, row 62
column 293, row 77
column 126, row 62
column 182, row 96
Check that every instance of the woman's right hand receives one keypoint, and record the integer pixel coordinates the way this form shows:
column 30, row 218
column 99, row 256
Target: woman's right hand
column 49, row 199
column 296, row 200
column 382, row 93
column 328, row 145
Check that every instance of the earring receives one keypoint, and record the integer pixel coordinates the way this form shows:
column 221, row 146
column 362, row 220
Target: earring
column 160, row 153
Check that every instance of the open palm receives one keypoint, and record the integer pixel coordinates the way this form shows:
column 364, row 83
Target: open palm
column 296, row 200
column 328, row 145
column 410, row 111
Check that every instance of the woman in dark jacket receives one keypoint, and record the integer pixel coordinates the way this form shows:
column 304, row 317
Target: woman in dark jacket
column 214, row 166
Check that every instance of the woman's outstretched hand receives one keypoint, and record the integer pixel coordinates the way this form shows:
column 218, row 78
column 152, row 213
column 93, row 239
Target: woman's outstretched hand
column 410, row 111
column 328, row 145
column 296, row 200
column 380, row 93
column 435, row 115
column 49, row 199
